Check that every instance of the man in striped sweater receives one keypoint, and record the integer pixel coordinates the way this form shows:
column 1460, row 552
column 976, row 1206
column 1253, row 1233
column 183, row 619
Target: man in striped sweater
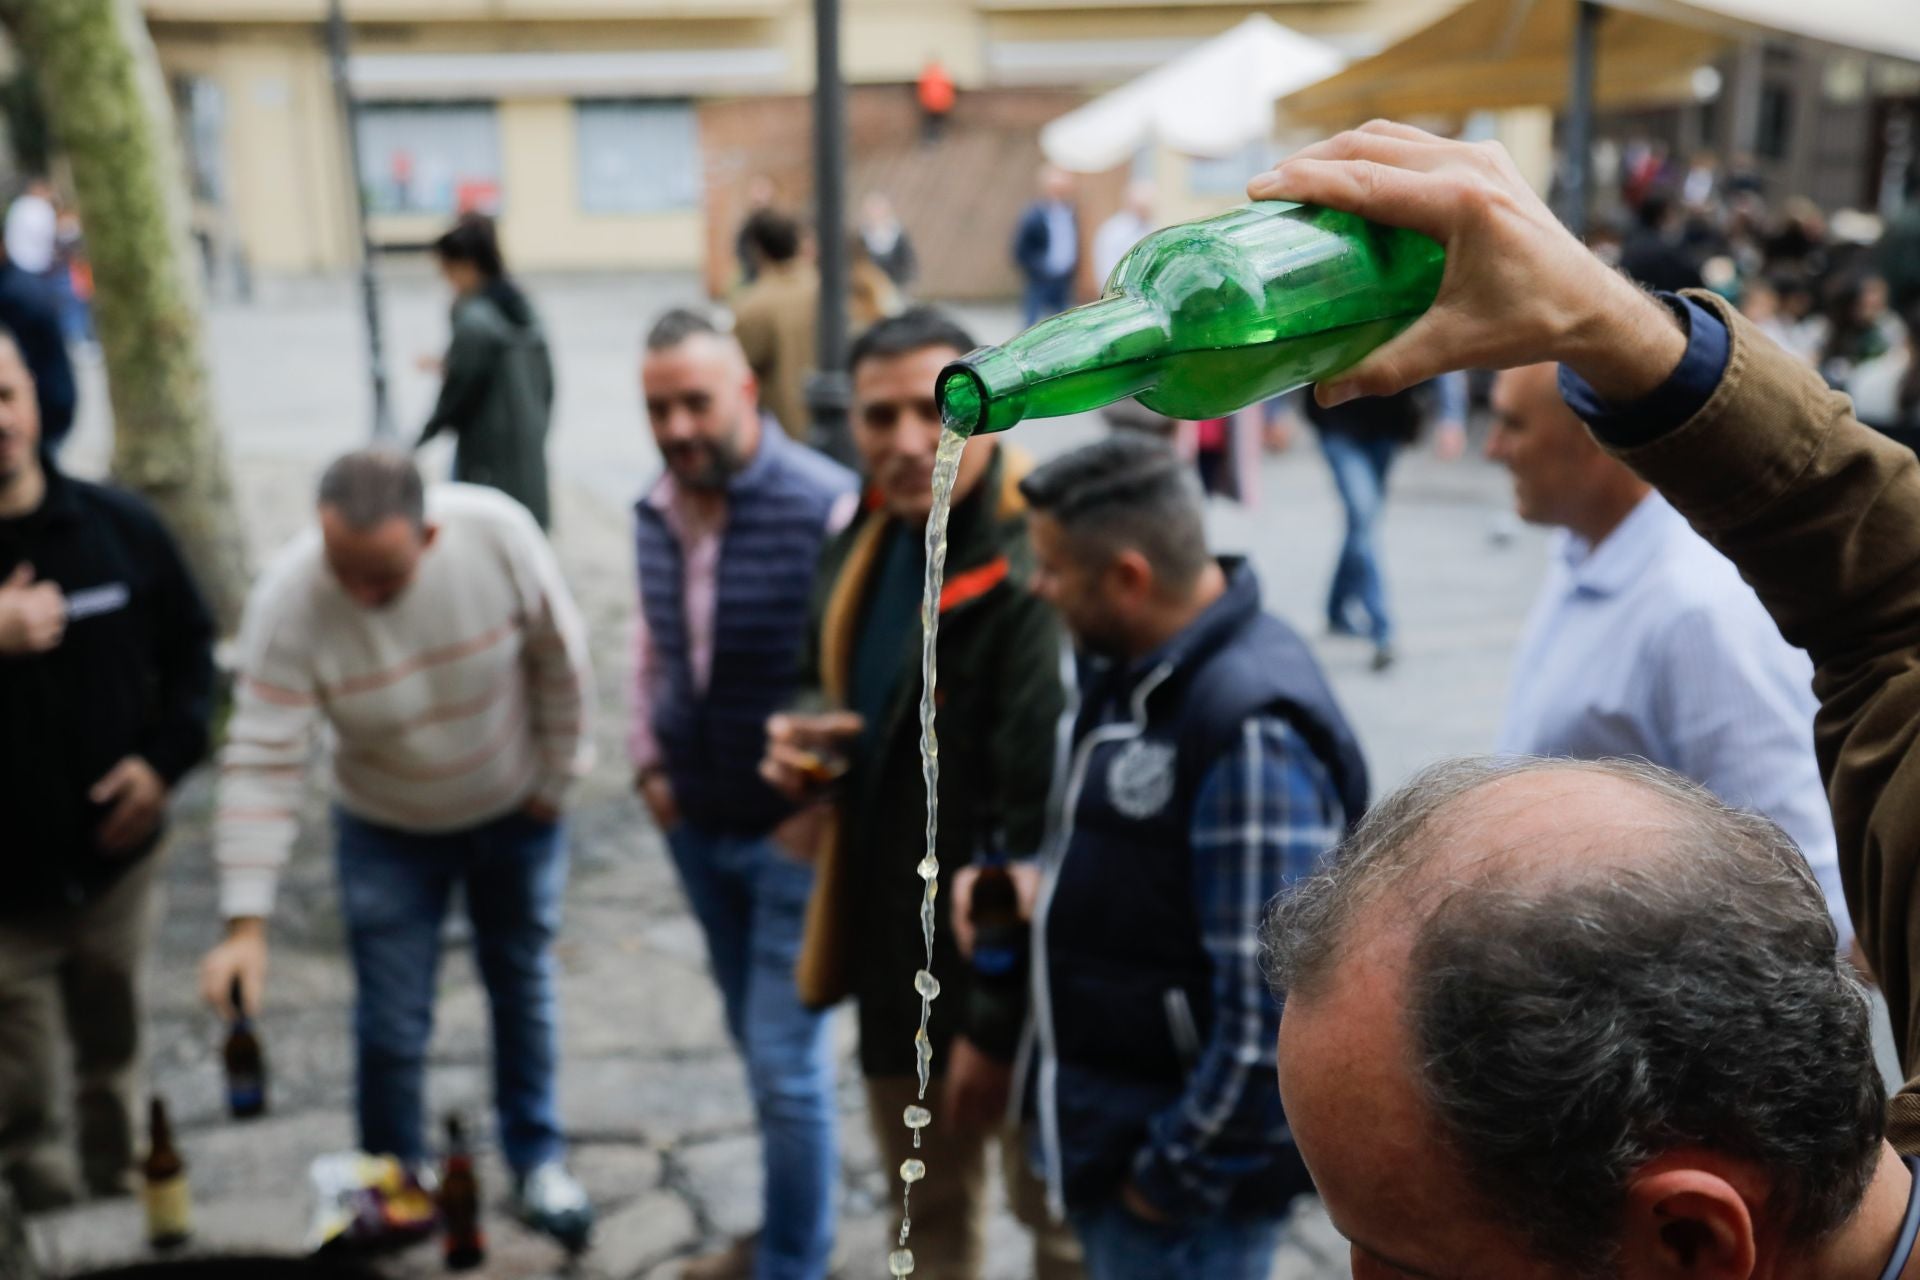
column 433, row 634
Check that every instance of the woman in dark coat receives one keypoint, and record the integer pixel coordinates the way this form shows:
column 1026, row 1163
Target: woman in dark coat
column 497, row 392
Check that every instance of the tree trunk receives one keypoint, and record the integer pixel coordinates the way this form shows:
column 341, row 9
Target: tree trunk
column 108, row 105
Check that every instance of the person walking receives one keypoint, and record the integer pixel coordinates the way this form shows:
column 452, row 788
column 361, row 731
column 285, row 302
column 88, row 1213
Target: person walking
column 727, row 540
column 886, row 240
column 1360, row 440
column 1046, row 246
column 862, row 664
column 496, row 390
column 106, row 681
column 432, row 634
column 1209, row 769
column 1644, row 643
column 776, row 317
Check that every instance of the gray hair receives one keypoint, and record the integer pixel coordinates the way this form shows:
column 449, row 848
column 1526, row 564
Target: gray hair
column 678, row 324
column 1127, row 491
column 1567, row 1029
column 368, row 487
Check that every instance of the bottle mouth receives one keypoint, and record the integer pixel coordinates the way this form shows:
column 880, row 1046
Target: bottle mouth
column 984, row 390
column 962, row 398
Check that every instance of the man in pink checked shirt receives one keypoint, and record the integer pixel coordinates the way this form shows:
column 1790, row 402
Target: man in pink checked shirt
column 727, row 539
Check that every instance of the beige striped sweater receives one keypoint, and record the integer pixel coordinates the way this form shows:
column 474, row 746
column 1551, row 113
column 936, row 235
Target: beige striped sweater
column 459, row 702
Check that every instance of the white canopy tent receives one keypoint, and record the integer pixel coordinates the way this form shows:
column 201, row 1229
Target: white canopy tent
column 1211, row 101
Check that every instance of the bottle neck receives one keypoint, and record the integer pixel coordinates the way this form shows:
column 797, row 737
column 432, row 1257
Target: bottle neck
column 1079, row 359
column 160, row 1132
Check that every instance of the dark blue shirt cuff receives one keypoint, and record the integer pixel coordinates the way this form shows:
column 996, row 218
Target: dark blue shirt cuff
column 1684, row 393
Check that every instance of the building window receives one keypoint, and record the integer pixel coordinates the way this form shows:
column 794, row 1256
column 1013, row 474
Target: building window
column 1228, row 175
column 202, row 111
column 638, row 157
column 1776, row 122
column 438, row 158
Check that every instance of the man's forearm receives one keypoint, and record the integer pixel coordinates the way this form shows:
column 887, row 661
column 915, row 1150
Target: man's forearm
column 1822, row 516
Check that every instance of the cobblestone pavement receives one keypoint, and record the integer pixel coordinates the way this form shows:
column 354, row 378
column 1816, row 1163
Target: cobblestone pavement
column 651, row 1094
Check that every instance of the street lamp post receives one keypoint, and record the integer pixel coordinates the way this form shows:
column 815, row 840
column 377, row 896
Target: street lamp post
column 828, row 390
column 369, row 283
column 1579, row 184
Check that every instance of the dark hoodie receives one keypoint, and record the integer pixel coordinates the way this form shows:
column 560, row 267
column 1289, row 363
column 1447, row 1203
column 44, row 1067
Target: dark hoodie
column 497, row 397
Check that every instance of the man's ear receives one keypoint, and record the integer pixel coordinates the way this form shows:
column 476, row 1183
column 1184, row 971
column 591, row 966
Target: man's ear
column 1687, row 1222
column 1129, row 575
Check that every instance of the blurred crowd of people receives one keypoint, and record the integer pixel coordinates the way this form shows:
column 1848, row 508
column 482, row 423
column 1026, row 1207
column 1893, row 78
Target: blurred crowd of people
column 1840, row 292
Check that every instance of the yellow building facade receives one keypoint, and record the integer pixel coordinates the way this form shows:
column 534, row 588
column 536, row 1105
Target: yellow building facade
column 577, row 122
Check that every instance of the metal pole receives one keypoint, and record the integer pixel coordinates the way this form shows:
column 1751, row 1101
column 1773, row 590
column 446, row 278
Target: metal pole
column 1579, row 186
column 369, row 283
column 828, row 390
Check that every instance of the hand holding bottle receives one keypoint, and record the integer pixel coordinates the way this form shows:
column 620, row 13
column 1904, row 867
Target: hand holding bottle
column 1518, row 288
column 239, row 962
column 1026, row 884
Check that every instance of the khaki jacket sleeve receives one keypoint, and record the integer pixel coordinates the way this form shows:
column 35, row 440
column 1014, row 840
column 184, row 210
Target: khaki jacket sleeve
column 1822, row 516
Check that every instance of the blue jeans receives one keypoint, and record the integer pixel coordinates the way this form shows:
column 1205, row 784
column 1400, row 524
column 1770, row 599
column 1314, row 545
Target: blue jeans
column 1360, row 474
column 394, row 887
column 1120, row 1246
column 1046, row 297
column 751, row 901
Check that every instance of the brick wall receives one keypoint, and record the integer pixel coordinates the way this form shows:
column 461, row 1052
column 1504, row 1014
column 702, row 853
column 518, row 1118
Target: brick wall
column 959, row 198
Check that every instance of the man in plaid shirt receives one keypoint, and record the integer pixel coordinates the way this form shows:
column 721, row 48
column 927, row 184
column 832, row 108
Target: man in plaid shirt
column 1208, row 770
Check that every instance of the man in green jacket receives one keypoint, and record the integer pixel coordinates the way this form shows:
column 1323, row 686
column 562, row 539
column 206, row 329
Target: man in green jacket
column 496, row 393
column 1000, row 662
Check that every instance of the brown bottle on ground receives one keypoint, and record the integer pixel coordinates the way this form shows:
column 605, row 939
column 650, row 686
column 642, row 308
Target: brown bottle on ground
column 246, row 1065
column 163, row 1190
column 464, row 1242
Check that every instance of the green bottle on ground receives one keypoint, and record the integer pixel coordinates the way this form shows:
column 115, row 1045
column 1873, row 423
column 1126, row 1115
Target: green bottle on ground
column 1208, row 317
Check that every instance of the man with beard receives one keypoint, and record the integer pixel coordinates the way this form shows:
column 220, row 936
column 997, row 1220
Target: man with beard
column 1210, row 770
column 728, row 537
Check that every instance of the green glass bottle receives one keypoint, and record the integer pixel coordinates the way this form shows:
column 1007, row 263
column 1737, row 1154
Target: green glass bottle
column 1208, row 317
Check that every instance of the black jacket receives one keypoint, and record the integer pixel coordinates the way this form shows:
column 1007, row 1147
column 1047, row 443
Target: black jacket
column 29, row 315
column 1000, row 647
column 133, row 675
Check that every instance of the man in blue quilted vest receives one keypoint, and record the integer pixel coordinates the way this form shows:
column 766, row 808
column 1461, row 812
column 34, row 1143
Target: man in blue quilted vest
column 1208, row 771
column 727, row 540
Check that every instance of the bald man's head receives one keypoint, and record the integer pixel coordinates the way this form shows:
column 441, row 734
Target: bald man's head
column 1520, row 985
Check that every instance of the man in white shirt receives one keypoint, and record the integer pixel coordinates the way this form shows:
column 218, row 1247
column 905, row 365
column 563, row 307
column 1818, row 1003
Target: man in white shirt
column 32, row 229
column 434, row 636
column 1644, row 641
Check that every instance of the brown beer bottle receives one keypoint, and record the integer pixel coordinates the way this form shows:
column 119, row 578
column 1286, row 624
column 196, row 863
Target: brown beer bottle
column 464, row 1241
column 246, row 1065
column 163, row 1192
